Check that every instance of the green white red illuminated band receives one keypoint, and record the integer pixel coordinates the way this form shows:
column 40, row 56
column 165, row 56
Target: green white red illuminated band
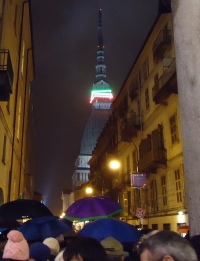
column 99, row 94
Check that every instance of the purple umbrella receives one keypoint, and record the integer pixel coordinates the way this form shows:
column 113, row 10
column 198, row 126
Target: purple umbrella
column 93, row 208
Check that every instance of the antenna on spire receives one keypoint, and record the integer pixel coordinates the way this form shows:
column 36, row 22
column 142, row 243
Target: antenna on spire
column 100, row 35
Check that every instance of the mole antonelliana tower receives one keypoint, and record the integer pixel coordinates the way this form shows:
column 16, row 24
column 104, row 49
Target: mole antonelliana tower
column 100, row 99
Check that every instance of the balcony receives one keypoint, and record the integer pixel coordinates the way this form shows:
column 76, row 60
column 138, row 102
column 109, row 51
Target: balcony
column 161, row 44
column 130, row 127
column 166, row 85
column 133, row 92
column 6, row 75
column 153, row 160
column 152, row 153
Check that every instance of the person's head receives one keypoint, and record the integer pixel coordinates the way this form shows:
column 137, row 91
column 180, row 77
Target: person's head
column 84, row 249
column 114, row 249
column 39, row 252
column 16, row 247
column 166, row 246
column 69, row 236
column 59, row 256
column 53, row 244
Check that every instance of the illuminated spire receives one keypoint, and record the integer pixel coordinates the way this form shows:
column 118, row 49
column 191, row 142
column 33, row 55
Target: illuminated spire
column 101, row 93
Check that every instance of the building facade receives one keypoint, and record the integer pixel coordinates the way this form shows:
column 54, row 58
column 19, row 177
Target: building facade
column 147, row 139
column 16, row 111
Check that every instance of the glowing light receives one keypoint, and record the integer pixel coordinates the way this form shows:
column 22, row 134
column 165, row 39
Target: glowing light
column 89, row 190
column 114, row 164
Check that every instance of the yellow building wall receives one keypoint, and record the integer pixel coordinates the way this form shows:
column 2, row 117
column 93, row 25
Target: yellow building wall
column 156, row 114
column 16, row 36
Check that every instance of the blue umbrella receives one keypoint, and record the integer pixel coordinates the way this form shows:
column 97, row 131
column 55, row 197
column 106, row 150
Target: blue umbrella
column 103, row 228
column 38, row 229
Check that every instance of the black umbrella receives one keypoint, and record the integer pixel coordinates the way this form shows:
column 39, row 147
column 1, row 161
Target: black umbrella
column 7, row 225
column 23, row 208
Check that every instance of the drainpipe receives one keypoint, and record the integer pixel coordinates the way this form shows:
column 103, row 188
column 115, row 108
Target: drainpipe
column 15, row 106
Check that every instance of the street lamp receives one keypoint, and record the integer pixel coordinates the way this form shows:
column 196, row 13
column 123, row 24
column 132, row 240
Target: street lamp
column 114, row 164
column 88, row 190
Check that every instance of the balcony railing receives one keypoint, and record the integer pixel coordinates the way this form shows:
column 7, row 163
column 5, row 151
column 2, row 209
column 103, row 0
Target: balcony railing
column 161, row 43
column 166, row 85
column 152, row 160
column 6, row 75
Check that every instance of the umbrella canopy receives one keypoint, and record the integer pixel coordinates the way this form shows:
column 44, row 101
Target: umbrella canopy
column 91, row 208
column 120, row 230
column 7, row 225
column 38, row 229
column 23, row 208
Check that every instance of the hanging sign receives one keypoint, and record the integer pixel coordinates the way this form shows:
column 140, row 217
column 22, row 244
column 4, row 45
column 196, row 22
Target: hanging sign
column 138, row 180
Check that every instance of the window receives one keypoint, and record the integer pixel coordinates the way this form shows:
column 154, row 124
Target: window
column 177, row 176
column 174, row 128
column 137, row 198
column 147, row 105
column 139, row 107
column 128, row 164
column 156, row 83
column 134, row 155
column 146, row 68
column 164, row 190
column 138, row 80
column 125, row 199
column 4, row 150
column 167, row 226
column 128, row 170
column 18, row 119
column 129, row 202
column 8, row 106
column 153, row 194
column 22, row 57
column 154, row 226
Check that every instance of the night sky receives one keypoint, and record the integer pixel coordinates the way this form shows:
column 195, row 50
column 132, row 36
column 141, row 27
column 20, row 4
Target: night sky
column 65, row 45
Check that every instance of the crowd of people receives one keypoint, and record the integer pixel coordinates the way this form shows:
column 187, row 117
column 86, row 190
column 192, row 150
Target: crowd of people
column 155, row 246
